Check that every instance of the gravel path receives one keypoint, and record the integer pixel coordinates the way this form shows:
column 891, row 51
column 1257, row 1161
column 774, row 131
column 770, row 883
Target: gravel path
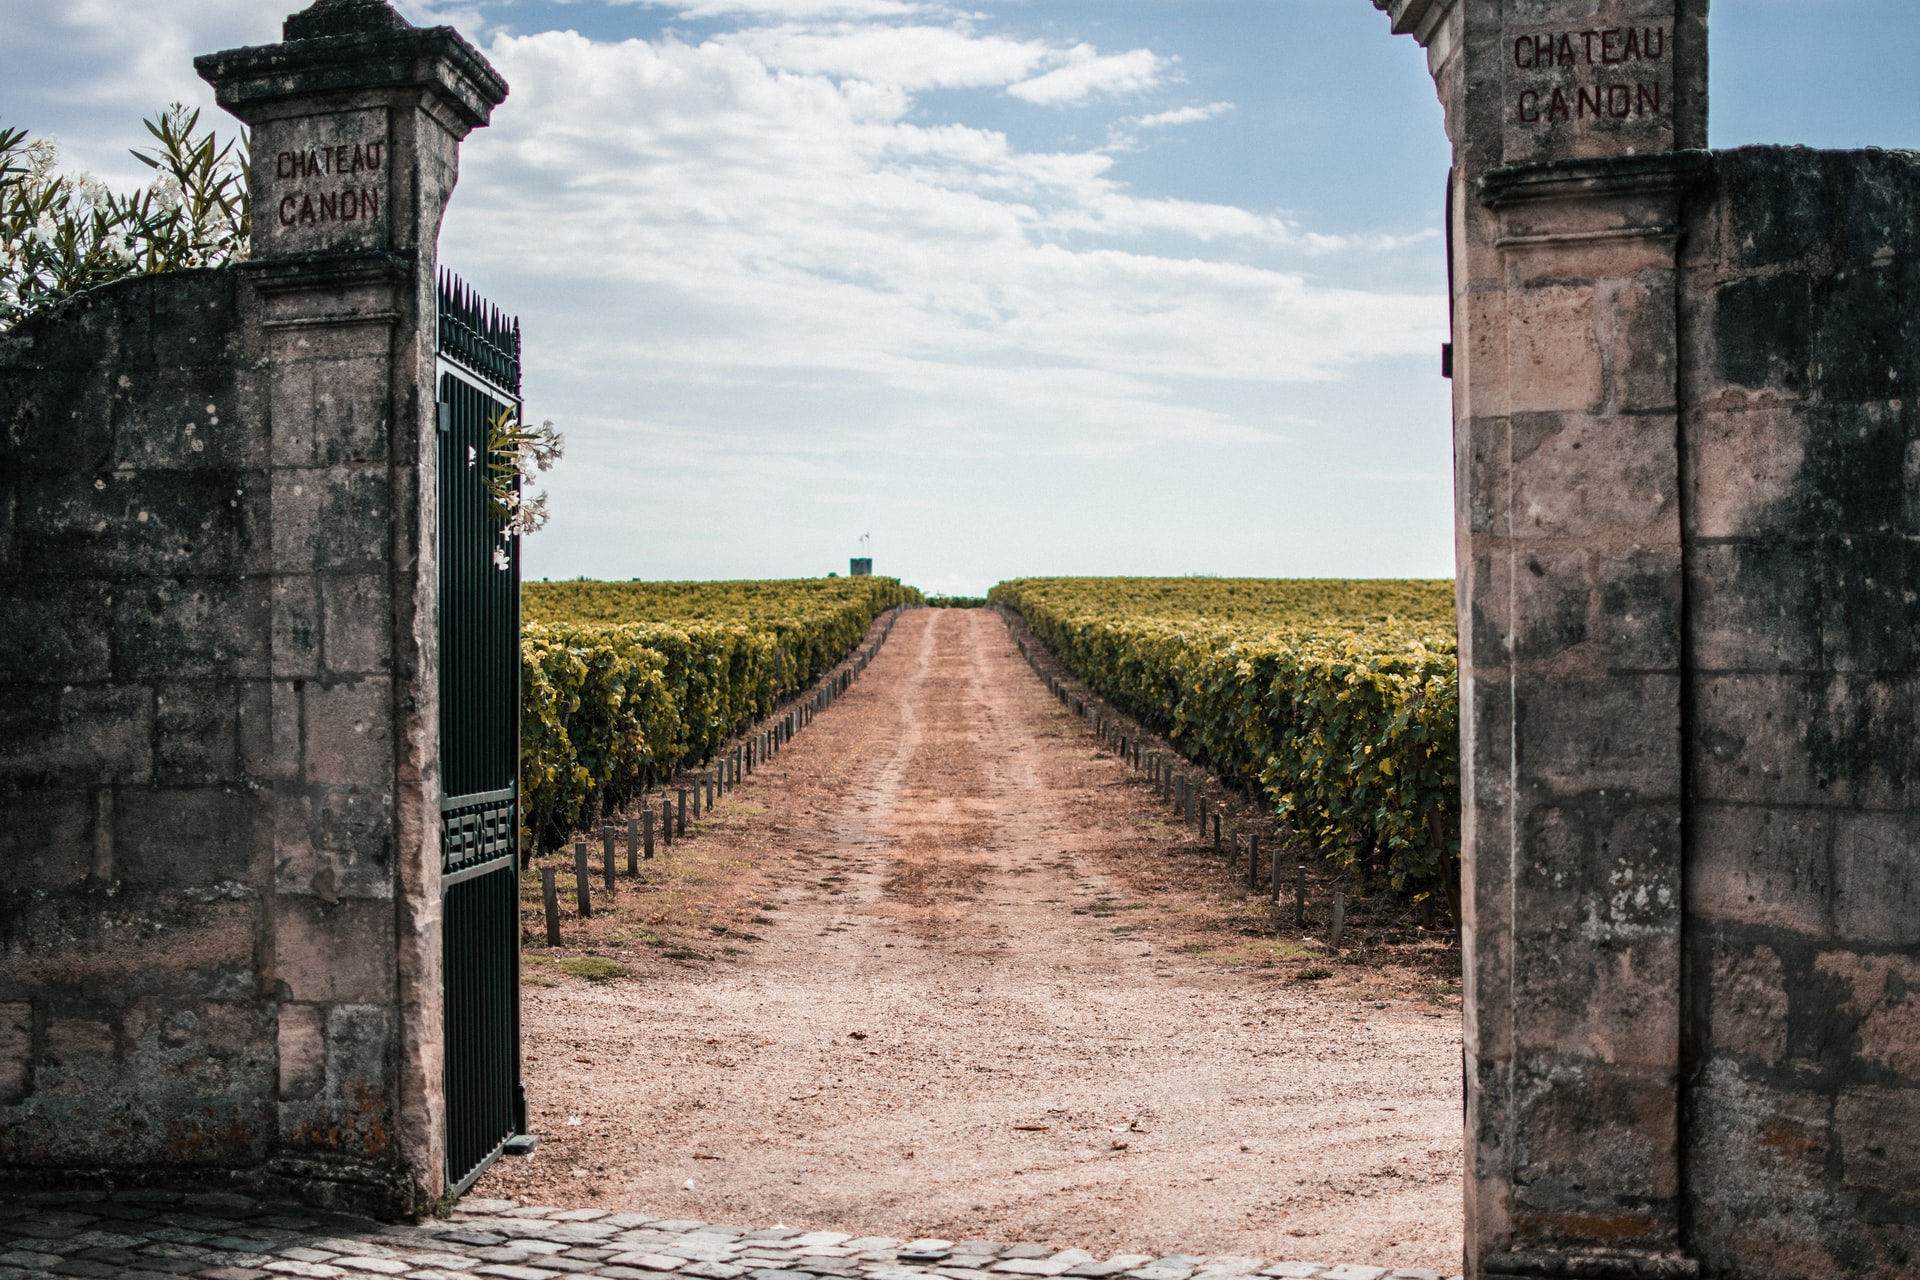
column 950, row 1026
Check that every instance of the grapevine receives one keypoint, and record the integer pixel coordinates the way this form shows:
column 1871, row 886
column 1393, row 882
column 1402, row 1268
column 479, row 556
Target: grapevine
column 1337, row 700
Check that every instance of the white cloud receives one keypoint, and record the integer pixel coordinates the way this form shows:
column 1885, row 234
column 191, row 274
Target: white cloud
column 89, row 70
column 788, row 9
column 792, row 221
column 1089, row 74
column 910, row 57
column 1182, row 115
column 756, row 276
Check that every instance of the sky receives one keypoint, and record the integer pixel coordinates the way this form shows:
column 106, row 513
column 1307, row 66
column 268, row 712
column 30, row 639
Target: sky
column 1010, row 287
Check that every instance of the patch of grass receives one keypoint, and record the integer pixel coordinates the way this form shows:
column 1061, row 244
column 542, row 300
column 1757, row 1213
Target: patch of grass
column 529, row 979
column 1314, row 973
column 594, row 968
column 758, row 920
column 681, row 953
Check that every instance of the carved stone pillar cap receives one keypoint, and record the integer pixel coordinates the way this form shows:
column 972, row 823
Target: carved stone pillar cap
column 340, row 46
column 342, row 18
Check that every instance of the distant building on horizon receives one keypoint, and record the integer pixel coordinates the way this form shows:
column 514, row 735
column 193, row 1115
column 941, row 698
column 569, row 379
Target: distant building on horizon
column 860, row 566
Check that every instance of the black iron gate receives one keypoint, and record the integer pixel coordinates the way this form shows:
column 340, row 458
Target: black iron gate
column 479, row 379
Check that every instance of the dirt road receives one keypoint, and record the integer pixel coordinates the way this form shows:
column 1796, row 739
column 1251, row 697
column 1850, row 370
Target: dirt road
column 942, row 1001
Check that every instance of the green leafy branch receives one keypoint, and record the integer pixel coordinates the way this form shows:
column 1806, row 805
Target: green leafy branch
column 61, row 234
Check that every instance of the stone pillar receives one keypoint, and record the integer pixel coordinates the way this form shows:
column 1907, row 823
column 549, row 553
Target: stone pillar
column 1573, row 124
column 356, row 123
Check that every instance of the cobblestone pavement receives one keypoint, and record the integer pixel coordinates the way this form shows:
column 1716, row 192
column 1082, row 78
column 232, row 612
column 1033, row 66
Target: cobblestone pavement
column 227, row 1237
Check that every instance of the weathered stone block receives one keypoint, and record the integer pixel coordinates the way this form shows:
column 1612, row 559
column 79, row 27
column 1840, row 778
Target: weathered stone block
column 296, row 626
column 1486, row 641
column 349, row 732
column 1554, row 355
column 287, row 741
column 1870, row 606
column 190, row 628
column 331, row 519
column 1881, row 993
column 1747, row 1002
column 181, row 837
column 1753, row 606
column 16, row 1052
column 1874, row 1129
column 1745, row 468
column 1856, row 479
column 56, row 419
column 1617, row 733
column 197, row 734
column 1762, row 332
column 1803, row 739
column 1639, row 617
column 358, row 624
column 198, row 946
column 1764, row 865
column 172, row 418
column 1762, row 1195
column 354, row 1112
column 254, row 728
column 1876, row 867
column 302, row 1050
column 1576, row 476
column 330, row 403
column 1863, row 327
column 1596, row 1140
column 335, row 843
column 333, row 953
column 47, row 838
column 190, row 318
column 1553, row 602
column 203, row 1050
column 76, row 737
column 76, row 1048
column 143, row 522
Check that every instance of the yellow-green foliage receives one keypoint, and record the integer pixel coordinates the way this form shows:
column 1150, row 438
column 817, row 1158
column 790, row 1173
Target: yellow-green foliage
column 622, row 683
column 1338, row 699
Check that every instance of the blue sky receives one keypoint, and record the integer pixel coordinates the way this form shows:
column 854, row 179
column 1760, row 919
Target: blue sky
column 1137, row 286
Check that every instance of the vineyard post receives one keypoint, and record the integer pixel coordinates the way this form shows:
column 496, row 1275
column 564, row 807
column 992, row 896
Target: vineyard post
column 666, row 821
column 582, row 879
column 633, row 846
column 699, row 784
column 1300, row 895
column 680, row 826
column 1273, row 873
column 606, row 859
column 1339, row 924
column 646, row 832
column 1253, row 860
column 1216, row 831
column 550, row 898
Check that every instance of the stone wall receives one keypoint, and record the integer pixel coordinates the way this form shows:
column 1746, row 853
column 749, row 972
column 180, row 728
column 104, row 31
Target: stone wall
column 1800, row 366
column 219, row 800
column 1685, row 490
column 135, row 704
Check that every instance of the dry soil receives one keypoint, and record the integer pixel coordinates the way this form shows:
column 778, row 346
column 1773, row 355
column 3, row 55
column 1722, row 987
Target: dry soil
column 943, row 968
